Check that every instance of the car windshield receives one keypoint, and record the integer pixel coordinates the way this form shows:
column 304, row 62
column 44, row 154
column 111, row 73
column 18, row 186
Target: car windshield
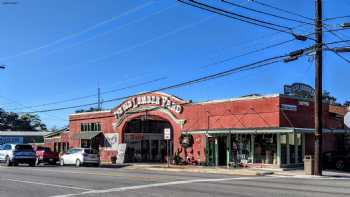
column 90, row 151
column 74, row 150
column 23, row 147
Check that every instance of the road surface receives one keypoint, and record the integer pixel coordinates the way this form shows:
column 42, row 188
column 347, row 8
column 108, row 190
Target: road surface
column 87, row 181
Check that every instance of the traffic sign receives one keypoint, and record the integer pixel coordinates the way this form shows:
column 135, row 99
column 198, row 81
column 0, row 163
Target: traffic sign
column 167, row 135
column 347, row 119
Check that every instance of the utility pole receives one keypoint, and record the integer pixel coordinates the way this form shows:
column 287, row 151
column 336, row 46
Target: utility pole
column 318, row 89
column 99, row 104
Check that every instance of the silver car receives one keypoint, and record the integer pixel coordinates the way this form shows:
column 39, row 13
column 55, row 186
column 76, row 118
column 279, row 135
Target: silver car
column 80, row 156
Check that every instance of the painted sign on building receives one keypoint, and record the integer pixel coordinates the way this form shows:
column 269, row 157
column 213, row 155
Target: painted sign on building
column 299, row 89
column 161, row 101
column 111, row 141
column 10, row 140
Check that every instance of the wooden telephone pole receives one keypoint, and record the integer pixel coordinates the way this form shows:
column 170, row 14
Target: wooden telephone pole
column 318, row 89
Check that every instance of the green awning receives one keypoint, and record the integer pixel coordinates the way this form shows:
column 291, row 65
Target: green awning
column 86, row 135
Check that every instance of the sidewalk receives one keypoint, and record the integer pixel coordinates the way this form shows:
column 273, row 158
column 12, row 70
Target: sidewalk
column 235, row 171
column 202, row 169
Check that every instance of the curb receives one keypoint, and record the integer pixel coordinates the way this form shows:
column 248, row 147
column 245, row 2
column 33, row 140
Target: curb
column 213, row 171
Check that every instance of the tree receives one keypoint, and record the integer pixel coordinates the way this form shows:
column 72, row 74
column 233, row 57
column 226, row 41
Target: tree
column 11, row 121
column 347, row 103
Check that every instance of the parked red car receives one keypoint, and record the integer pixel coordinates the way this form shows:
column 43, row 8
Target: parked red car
column 45, row 155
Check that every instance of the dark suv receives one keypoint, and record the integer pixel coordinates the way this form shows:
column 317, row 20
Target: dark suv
column 14, row 154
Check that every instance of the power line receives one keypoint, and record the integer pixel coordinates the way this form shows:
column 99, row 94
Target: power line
column 251, row 66
column 58, row 41
column 332, row 31
column 18, row 103
column 281, row 10
column 112, row 30
column 92, row 95
column 129, row 48
column 266, row 13
column 337, row 17
column 237, row 16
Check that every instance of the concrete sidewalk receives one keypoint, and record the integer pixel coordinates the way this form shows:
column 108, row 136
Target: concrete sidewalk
column 202, row 169
column 233, row 171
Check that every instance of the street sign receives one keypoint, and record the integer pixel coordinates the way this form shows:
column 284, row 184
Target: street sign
column 167, row 135
column 347, row 119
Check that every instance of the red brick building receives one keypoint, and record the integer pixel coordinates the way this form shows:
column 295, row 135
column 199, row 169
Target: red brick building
column 272, row 130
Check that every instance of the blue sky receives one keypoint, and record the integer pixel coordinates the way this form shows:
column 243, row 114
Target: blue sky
column 61, row 49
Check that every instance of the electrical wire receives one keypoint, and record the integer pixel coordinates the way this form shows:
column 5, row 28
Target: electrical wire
column 281, row 9
column 266, row 13
column 112, row 30
column 251, row 66
column 93, row 95
column 65, row 38
column 337, row 17
column 237, row 16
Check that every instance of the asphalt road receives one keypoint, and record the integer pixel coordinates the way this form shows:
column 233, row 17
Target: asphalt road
column 88, row 181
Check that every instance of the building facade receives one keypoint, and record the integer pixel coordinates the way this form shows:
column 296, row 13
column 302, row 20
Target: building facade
column 20, row 137
column 268, row 131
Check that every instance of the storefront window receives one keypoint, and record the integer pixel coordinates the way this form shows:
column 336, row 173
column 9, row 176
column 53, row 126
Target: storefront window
column 241, row 148
column 265, row 147
column 291, row 148
column 283, row 139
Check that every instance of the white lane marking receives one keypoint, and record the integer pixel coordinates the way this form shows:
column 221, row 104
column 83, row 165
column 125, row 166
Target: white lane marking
column 48, row 184
column 157, row 185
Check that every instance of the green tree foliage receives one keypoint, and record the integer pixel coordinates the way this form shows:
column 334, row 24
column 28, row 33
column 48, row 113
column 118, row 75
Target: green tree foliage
column 14, row 122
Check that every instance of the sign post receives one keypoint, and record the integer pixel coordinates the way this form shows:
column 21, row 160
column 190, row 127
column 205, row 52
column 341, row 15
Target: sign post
column 167, row 137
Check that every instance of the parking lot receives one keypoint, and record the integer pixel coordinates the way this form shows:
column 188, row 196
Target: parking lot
column 90, row 181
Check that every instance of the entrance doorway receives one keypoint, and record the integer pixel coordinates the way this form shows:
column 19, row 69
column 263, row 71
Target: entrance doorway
column 216, row 150
column 144, row 137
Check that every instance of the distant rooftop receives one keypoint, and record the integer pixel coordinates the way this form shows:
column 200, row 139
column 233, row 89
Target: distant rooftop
column 24, row 133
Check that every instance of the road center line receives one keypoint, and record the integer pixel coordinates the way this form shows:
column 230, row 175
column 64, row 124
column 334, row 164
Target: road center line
column 48, row 184
column 156, row 185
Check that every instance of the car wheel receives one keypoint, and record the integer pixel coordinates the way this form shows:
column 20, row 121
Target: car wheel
column 61, row 162
column 32, row 164
column 77, row 163
column 339, row 165
column 7, row 161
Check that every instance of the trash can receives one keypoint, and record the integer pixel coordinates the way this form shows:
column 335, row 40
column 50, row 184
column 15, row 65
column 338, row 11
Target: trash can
column 308, row 164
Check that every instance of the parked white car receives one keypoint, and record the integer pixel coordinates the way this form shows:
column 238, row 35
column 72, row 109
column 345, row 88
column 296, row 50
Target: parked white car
column 80, row 156
column 14, row 154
